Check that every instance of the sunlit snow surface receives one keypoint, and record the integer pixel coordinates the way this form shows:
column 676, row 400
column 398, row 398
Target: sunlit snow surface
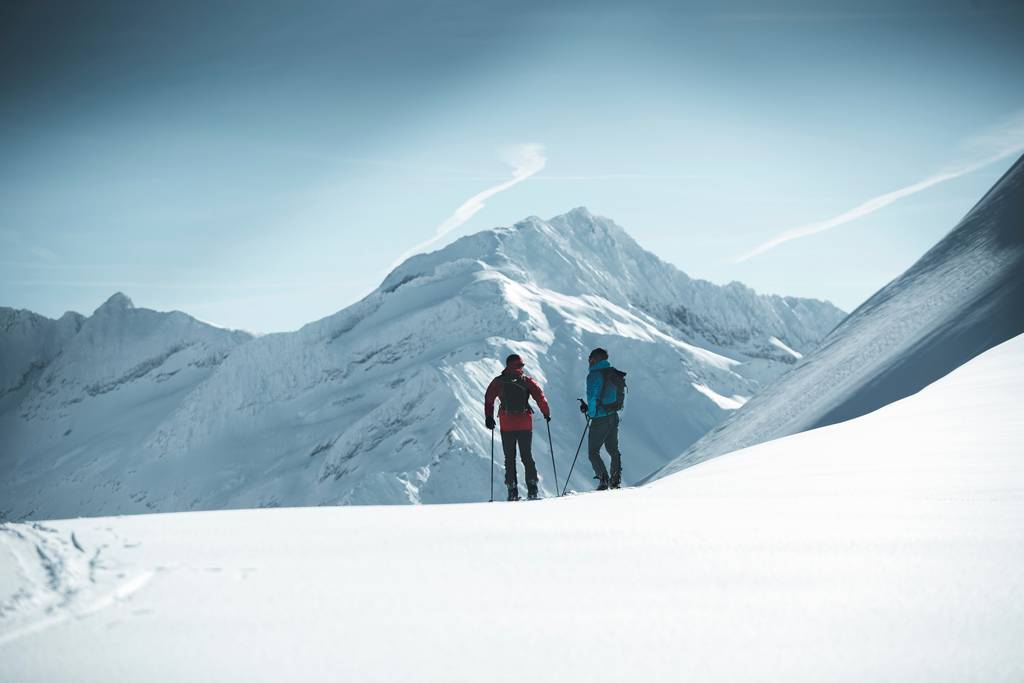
column 722, row 402
column 779, row 344
column 887, row 548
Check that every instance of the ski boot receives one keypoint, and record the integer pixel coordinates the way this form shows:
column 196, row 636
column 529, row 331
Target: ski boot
column 531, row 490
column 602, row 483
column 513, row 492
column 615, row 481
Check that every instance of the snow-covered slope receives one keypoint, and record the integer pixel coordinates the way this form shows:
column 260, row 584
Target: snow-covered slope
column 71, row 431
column 964, row 296
column 880, row 549
column 381, row 402
column 28, row 343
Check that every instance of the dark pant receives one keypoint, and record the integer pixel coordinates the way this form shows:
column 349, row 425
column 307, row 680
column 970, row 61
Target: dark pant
column 524, row 439
column 604, row 431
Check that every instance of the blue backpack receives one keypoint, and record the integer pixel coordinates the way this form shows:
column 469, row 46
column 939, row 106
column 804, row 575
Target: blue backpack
column 617, row 379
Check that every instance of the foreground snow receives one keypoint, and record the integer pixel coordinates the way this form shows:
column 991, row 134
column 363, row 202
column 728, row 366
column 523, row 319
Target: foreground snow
column 884, row 548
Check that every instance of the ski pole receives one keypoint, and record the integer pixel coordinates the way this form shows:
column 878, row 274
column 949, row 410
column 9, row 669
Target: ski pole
column 582, row 436
column 577, row 453
column 553, row 468
column 492, row 466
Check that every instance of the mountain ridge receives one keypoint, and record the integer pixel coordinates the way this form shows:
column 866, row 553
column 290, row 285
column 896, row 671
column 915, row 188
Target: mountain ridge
column 381, row 401
column 625, row 274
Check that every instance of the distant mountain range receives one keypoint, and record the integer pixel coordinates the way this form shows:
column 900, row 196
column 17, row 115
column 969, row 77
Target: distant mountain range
column 133, row 410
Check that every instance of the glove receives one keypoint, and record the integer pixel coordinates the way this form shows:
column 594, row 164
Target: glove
column 547, row 418
column 489, row 421
column 583, row 407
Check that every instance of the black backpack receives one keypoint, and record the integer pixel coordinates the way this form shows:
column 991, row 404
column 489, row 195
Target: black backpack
column 616, row 378
column 515, row 396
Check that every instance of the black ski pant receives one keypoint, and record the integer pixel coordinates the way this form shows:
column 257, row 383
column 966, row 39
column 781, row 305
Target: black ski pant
column 524, row 439
column 604, row 431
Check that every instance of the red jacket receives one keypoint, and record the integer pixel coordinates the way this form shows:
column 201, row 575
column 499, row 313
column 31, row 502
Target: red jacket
column 514, row 422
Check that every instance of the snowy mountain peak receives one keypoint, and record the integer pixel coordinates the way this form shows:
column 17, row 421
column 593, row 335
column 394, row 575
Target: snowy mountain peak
column 579, row 253
column 569, row 234
column 580, row 211
column 28, row 343
column 582, row 217
column 117, row 302
column 81, row 371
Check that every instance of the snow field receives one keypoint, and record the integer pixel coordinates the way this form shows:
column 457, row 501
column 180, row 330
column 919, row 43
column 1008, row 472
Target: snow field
column 878, row 549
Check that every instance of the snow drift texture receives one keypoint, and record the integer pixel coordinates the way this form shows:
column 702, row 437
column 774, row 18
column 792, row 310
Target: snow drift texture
column 381, row 403
column 964, row 296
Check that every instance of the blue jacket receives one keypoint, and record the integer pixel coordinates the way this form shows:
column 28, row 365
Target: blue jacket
column 596, row 383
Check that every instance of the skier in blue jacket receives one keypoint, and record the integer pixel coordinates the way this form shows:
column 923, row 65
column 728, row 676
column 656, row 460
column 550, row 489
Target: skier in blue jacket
column 602, row 406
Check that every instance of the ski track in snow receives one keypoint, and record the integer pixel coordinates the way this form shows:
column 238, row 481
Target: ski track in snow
column 61, row 578
column 122, row 592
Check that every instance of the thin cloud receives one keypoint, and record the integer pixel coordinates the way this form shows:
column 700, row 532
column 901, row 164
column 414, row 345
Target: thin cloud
column 987, row 148
column 44, row 254
column 526, row 160
column 14, row 238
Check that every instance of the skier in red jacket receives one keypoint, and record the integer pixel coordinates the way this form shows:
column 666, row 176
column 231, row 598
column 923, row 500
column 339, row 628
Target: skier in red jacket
column 515, row 389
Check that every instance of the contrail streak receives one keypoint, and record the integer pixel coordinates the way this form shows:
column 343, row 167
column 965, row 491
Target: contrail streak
column 526, row 161
column 1009, row 142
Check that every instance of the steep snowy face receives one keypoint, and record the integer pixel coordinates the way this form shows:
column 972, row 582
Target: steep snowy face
column 100, row 384
column 28, row 343
column 119, row 344
column 964, row 296
column 382, row 402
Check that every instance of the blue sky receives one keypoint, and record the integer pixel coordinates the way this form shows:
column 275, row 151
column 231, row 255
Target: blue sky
column 261, row 165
